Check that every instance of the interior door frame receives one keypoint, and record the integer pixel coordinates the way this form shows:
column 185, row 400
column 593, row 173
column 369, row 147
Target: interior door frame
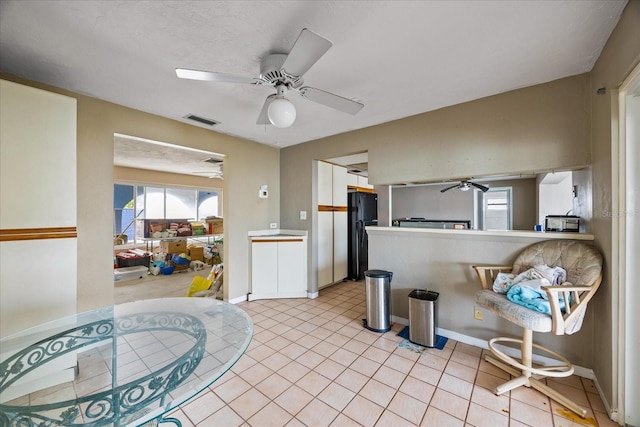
column 625, row 376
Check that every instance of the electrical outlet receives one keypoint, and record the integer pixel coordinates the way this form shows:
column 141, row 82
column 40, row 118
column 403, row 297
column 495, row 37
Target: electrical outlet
column 477, row 314
column 273, row 225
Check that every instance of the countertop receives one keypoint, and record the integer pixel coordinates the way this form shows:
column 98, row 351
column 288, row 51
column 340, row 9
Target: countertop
column 481, row 233
column 276, row 234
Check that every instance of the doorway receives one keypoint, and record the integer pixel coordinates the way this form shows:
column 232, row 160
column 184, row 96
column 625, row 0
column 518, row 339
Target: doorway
column 494, row 208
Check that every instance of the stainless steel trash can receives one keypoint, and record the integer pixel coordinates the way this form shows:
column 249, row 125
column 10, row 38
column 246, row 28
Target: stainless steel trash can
column 377, row 298
column 422, row 317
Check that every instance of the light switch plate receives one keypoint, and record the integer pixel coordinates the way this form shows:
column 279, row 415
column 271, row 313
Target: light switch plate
column 303, row 215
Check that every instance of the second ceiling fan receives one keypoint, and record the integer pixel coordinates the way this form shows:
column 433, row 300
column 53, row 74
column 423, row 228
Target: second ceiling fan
column 466, row 185
column 284, row 72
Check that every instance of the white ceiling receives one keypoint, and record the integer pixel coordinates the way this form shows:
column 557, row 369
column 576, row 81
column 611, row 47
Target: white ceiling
column 399, row 58
column 140, row 153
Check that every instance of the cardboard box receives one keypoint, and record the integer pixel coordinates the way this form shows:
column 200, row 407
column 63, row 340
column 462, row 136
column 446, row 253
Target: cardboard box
column 173, row 246
column 196, row 254
column 215, row 226
column 145, row 227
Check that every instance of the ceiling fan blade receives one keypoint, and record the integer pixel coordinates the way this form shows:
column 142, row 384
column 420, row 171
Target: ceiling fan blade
column 263, row 118
column 330, row 100
column 211, row 76
column 449, row 188
column 308, row 48
column 480, row 186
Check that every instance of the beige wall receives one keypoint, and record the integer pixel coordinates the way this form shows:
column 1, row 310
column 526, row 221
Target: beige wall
column 247, row 166
column 540, row 128
column 618, row 58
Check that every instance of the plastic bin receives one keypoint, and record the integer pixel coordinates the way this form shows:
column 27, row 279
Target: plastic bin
column 129, row 273
column 377, row 293
column 422, row 317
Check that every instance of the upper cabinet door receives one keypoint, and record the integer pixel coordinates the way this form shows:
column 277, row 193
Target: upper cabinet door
column 38, row 158
column 352, row 180
column 363, row 182
column 325, row 184
column 339, row 186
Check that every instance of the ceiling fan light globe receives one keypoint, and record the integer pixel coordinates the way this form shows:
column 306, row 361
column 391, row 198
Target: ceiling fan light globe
column 281, row 112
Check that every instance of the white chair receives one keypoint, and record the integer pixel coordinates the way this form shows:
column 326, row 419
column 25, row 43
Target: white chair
column 583, row 265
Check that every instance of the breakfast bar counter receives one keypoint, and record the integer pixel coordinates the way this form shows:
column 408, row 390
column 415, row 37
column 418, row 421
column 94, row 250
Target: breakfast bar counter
column 441, row 261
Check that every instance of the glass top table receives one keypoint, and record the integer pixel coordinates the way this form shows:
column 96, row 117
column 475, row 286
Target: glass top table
column 127, row 365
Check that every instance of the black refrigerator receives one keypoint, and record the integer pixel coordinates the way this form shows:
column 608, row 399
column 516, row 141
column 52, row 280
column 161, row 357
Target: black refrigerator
column 363, row 211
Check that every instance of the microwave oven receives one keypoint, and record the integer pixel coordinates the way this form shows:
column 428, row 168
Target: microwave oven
column 562, row 223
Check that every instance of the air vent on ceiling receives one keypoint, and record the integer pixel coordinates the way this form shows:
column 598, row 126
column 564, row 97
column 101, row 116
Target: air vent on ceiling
column 212, row 160
column 202, row 120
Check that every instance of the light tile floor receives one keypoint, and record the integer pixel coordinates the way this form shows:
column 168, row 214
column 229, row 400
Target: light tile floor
column 311, row 363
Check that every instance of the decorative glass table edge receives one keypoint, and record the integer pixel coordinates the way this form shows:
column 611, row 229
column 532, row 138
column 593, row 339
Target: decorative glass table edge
column 211, row 325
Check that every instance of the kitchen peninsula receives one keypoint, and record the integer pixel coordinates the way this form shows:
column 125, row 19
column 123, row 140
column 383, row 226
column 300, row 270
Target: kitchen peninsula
column 441, row 260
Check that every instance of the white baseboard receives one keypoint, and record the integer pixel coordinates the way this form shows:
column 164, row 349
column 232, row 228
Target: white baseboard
column 313, row 295
column 241, row 298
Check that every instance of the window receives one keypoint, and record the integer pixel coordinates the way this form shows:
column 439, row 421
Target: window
column 153, row 202
column 494, row 209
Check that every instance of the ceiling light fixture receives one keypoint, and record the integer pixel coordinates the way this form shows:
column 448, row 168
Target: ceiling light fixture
column 281, row 112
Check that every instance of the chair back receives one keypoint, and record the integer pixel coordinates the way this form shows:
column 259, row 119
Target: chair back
column 581, row 261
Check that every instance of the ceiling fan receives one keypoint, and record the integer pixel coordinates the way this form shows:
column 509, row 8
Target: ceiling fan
column 466, row 185
column 284, row 72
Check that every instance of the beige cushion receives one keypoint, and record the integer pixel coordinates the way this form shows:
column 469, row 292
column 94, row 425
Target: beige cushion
column 522, row 316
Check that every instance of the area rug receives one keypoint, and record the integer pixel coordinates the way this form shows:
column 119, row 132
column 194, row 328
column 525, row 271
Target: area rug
column 404, row 333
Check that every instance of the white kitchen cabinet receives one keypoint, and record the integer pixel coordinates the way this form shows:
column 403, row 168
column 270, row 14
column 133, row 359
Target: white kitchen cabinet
column 278, row 267
column 358, row 182
column 38, row 217
column 332, row 223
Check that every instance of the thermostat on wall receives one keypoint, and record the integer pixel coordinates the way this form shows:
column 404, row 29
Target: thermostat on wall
column 263, row 193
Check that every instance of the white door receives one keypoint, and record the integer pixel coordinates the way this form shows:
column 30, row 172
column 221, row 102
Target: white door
column 325, row 248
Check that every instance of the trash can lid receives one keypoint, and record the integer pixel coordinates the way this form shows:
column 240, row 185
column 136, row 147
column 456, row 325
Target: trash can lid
column 378, row 273
column 424, row 295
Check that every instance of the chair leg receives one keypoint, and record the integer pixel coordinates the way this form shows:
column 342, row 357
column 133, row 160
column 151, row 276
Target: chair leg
column 525, row 374
column 548, row 391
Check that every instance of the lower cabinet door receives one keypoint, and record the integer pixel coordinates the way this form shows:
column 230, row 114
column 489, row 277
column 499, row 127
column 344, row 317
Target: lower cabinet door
column 340, row 246
column 325, row 248
column 291, row 269
column 264, row 268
